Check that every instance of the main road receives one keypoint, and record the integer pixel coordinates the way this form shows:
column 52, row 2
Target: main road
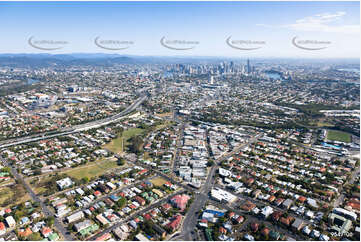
column 191, row 219
column 35, row 198
column 69, row 130
column 76, row 128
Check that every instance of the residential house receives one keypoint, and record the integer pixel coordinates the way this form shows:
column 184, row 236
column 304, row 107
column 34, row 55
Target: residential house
column 10, row 221
column 175, row 222
column 297, row 224
column 180, row 201
column 287, row 203
column 2, row 228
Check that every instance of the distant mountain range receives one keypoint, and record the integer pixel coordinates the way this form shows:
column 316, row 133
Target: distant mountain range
column 92, row 59
column 101, row 59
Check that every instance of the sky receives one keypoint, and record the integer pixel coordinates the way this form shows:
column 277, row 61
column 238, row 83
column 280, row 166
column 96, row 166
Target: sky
column 140, row 26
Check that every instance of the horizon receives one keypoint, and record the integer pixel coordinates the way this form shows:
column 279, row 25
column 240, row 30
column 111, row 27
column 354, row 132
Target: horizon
column 110, row 55
column 327, row 30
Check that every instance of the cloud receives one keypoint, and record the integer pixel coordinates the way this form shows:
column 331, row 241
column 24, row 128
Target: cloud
column 324, row 22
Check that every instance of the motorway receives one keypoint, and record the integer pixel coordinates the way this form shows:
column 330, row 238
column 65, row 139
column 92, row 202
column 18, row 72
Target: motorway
column 76, row 128
column 95, row 124
column 201, row 195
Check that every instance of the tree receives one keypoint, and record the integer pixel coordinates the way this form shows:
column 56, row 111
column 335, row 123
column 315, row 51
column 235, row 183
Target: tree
column 122, row 202
column 85, row 180
column 136, row 144
column 147, row 227
column 50, row 221
column 120, row 161
column 37, row 172
column 210, row 163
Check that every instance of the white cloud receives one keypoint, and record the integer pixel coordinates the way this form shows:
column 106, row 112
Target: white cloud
column 325, row 22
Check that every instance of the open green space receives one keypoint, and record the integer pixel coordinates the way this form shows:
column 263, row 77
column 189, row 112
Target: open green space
column 338, row 136
column 11, row 195
column 324, row 124
column 158, row 181
column 320, row 123
column 5, row 193
column 117, row 145
column 44, row 184
column 92, row 170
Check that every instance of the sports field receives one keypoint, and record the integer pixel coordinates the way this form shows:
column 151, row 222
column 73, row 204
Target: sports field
column 338, row 136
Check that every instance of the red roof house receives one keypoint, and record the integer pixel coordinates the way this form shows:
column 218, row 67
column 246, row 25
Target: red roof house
column 175, row 222
column 180, row 201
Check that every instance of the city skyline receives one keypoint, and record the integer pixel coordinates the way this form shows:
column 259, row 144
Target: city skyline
column 179, row 121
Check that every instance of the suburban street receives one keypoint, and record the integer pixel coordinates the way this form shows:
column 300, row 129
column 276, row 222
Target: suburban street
column 76, row 128
column 47, row 212
column 134, row 215
column 36, row 198
column 202, row 196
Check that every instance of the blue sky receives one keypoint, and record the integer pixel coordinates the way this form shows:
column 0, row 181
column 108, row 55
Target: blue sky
column 208, row 23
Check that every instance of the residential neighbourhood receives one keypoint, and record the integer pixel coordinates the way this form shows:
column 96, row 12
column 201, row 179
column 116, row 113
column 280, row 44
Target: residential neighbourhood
column 204, row 137
column 163, row 173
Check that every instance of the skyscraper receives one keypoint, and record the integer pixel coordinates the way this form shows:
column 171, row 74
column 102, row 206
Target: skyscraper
column 248, row 67
column 211, row 79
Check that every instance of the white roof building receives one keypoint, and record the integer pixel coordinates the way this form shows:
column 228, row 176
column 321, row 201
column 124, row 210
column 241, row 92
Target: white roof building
column 222, row 195
column 75, row 217
column 64, row 183
column 10, row 221
column 345, row 213
column 224, row 172
column 267, row 211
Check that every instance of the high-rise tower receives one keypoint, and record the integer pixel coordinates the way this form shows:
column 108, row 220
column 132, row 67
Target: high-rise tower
column 248, row 67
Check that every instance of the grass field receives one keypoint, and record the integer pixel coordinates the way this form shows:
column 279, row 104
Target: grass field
column 35, row 184
column 91, row 170
column 169, row 114
column 158, row 181
column 5, row 193
column 324, row 124
column 320, row 122
column 117, row 145
column 94, row 169
column 338, row 136
column 162, row 126
column 39, row 190
column 8, row 192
